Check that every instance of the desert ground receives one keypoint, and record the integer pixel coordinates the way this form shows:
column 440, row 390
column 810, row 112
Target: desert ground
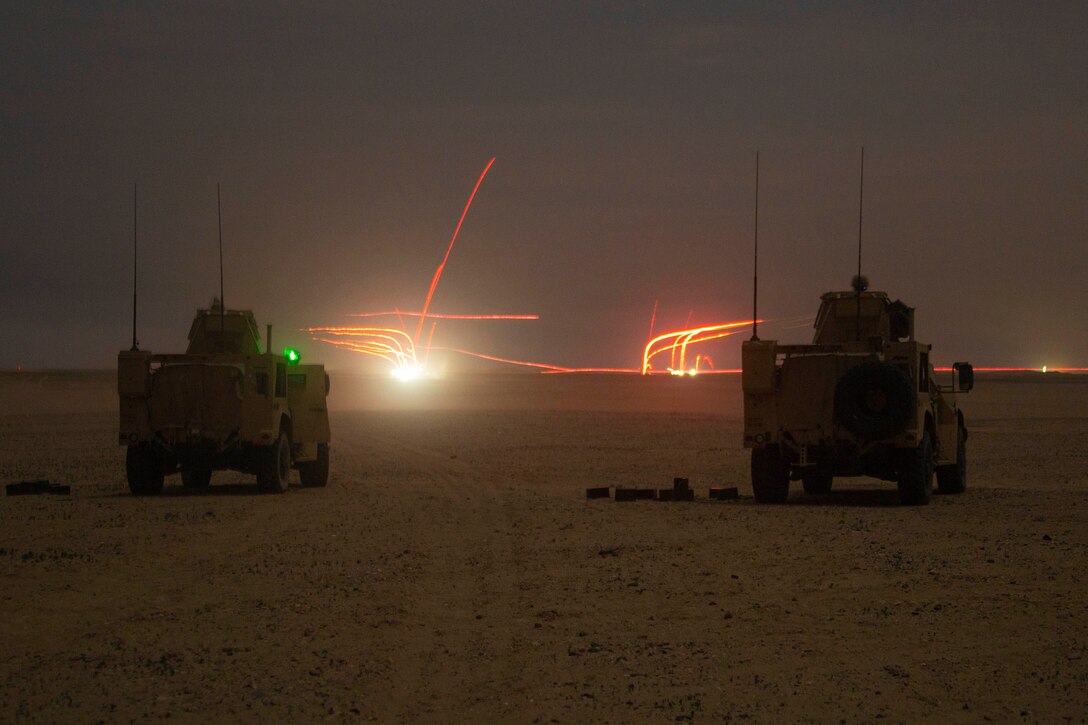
column 453, row 570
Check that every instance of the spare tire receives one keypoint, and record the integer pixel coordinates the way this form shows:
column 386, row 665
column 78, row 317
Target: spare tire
column 874, row 400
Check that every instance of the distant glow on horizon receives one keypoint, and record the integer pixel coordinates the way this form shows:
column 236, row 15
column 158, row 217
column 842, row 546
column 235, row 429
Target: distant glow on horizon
column 408, row 373
column 1043, row 369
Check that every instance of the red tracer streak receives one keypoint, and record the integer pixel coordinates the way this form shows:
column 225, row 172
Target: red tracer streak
column 456, row 231
column 441, row 316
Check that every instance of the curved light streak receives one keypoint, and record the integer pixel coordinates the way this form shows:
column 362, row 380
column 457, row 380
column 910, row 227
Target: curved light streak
column 676, row 344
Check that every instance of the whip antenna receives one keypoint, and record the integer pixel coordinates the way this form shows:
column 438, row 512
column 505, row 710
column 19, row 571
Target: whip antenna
column 859, row 281
column 222, row 304
column 755, row 261
column 135, row 345
column 861, row 206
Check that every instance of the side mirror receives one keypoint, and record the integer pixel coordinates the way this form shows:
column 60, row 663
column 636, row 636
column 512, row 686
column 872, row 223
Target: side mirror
column 966, row 374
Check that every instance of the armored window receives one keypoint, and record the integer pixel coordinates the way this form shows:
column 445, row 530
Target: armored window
column 262, row 383
column 297, row 380
column 923, row 372
column 281, row 380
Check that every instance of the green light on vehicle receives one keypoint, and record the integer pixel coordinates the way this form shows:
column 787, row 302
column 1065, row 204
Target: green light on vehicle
column 292, row 355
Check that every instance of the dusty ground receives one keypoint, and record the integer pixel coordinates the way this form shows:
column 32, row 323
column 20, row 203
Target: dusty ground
column 453, row 570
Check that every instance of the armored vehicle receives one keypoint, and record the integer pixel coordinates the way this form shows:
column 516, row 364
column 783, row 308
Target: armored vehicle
column 223, row 404
column 862, row 400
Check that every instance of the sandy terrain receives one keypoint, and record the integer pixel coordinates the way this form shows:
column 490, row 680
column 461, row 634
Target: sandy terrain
column 453, row 570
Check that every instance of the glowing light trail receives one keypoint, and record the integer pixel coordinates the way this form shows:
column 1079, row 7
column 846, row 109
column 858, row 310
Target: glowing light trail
column 456, row 231
column 564, row 371
column 494, row 358
column 430, row 337
column 395, row 346
column 399, row 348
column 653, row 319
column 545, row 368
column 440, row 316
column 1043, row 369
column 676, row 344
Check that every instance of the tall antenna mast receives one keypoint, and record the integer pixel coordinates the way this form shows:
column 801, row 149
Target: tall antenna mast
column 755, row 262
column 135, row 344
column 861, row 206
column 222, row 303
column 859, row 282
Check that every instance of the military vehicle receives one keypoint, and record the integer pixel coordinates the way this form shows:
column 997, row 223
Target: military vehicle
column 861, row 400
column 223, row 404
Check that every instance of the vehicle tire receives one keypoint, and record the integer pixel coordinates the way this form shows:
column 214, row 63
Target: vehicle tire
column 770, row 475
column 874, row 400
column 315, row 474
column 817, row 483
column 274, row 465
column 916, row 473
column 953, row 477
column 144, row 470
column 196, row 477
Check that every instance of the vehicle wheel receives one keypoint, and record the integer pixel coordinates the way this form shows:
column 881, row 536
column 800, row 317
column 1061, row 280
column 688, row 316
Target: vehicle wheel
column 916, row 473
column 144, row 469
column 315, row 474
column 817, row 483
column 874, row 400
column 274, row 465
column 770, row 475
column 196, row 477
column 953, row 477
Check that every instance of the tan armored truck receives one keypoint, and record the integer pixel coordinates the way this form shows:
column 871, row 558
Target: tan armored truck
column 223, row 405
column 861, row 400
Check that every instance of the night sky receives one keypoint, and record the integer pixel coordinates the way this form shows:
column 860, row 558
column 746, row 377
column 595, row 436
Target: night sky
column 347, row 137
